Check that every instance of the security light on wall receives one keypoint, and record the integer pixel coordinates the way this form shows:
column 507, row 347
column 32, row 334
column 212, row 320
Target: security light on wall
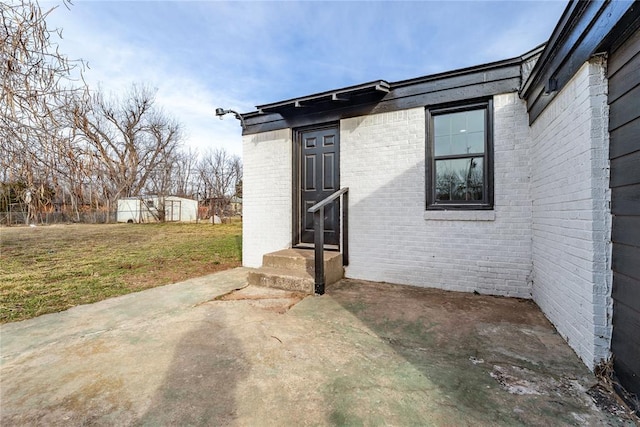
column 221, row 112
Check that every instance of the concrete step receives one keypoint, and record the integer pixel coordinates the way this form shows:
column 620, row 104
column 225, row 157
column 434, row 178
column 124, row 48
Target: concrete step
column 279, row 278
column 293, row 269
column 299, row 259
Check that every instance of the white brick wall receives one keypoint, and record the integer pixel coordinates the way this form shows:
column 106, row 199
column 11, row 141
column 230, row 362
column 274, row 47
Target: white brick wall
column 548, row 236
column 391, row 237
column 571, row 219
column 267, row 190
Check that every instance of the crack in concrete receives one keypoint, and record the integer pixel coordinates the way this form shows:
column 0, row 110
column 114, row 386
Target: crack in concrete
column 276, row 300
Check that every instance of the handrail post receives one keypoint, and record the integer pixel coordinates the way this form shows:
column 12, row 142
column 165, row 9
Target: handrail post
column 345, row 228
column 318, row 234
column 318, row 240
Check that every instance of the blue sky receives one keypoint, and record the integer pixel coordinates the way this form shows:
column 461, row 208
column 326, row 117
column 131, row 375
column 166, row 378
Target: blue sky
column 206, row 54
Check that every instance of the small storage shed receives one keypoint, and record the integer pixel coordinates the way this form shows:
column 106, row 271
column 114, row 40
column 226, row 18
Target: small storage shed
column 157, row 209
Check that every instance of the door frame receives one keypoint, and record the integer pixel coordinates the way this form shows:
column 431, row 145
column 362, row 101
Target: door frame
column 297, row 182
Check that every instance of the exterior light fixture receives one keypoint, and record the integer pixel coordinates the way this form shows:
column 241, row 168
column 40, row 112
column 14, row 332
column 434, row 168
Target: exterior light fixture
column 221, row 112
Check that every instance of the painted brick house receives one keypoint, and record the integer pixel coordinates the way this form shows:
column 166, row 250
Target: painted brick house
column 517, row 178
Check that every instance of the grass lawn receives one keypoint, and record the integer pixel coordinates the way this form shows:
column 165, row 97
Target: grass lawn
column 52, row 268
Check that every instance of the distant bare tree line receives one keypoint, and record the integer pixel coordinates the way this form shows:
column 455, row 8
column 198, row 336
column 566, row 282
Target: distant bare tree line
column 66, row 146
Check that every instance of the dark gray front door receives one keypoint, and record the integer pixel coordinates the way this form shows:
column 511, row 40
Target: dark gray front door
column 319, row 177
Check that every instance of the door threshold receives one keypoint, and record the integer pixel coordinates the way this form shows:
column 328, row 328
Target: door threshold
column 334, row 248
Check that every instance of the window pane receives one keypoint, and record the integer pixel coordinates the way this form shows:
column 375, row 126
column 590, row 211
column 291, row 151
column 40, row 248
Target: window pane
column 459, row 144
column 475, row 142
column 458, row 122
column 459, row 133
column 459, row 179
column 462, row 143
column 442, row 145
column 442, row 125
column 475, row 120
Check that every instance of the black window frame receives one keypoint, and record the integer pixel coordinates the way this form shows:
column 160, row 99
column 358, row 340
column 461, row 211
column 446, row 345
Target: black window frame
column 487, row 203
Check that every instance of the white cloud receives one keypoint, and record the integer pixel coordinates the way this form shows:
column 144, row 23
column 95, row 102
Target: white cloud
column 115, row 63
column 203, row 55
column 530, row 25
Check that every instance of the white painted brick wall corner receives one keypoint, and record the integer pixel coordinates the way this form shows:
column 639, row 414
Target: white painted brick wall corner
column 267, row 189
column 571, row 218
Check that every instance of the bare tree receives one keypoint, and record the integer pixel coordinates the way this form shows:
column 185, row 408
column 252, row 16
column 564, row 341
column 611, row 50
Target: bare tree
column 466, row 183
column 219, row 173
column 62, row 145
column 129, row 138
column 175, row 175
column 35, row 81
column 34, row 73
column 184, row 174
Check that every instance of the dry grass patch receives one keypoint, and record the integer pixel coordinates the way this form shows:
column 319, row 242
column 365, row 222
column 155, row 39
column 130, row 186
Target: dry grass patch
column 49, row 269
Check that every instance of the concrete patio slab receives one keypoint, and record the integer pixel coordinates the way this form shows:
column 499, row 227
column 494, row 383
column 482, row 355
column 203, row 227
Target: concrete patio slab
column 212, row 351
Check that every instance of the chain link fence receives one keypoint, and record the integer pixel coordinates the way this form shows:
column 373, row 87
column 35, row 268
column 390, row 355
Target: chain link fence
column 85, row 217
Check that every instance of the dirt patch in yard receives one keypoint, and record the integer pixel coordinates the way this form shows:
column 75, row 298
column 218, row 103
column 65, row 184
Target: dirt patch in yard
column 496, row 357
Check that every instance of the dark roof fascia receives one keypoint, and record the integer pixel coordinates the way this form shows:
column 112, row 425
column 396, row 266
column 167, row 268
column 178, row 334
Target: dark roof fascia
column 374, row 86
column 578, row 35
column 626, row 26
column 398, row 97
column 459, row 72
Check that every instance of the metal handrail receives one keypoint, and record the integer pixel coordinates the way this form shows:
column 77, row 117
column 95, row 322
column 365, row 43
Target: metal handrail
column 327, row 200
column 318, row 234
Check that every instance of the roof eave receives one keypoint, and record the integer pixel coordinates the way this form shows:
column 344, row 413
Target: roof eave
column 337, row 95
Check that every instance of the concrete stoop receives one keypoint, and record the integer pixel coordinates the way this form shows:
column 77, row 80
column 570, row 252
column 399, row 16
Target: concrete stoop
column 293, row 270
